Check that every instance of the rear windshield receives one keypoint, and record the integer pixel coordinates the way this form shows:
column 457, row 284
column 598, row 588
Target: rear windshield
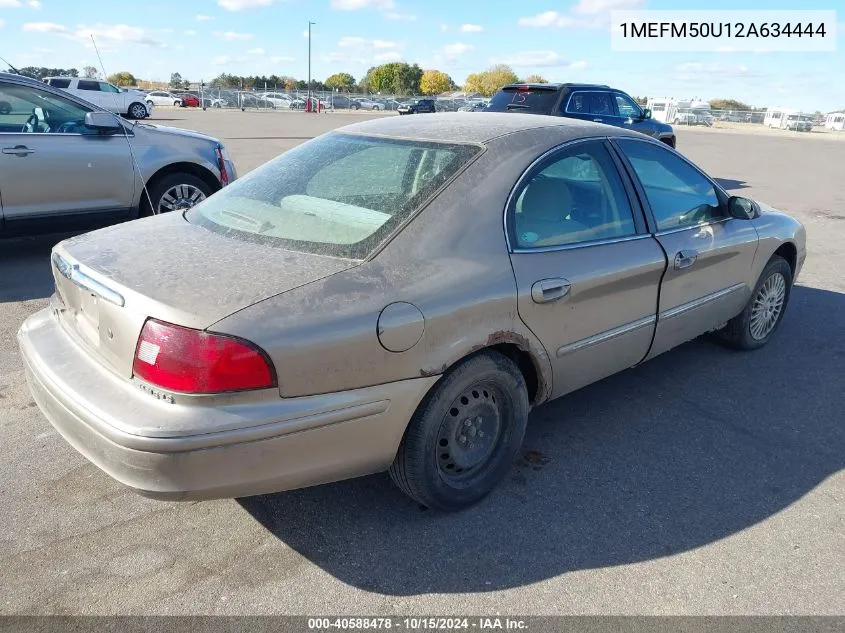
column 531, row 100
column 338, row 194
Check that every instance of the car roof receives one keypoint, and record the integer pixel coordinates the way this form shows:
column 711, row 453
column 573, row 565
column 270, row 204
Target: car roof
column 554, row 86
column 476, row 127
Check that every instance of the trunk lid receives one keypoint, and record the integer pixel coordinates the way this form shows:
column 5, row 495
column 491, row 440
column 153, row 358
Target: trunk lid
column 110, row 281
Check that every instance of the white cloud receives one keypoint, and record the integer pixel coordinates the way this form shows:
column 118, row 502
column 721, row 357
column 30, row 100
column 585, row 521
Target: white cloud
column 2, row 24
column 444, row 27
column 354, row 5
column 401, row 17
column 578, row 65
column 531, row 58
column 592, row 7
column 119, row 33
column 243, row 5
column 471, row 28
column 391, row 56
column 548, row 18
column 43, row 51
column 343, row 58
column 35, row 4
column 232, row 36
column 256, row 51
column 10, row 4
column 360, row 42
column 45, row 27
column 203, row 18
column 458, row 48
column 190, row 32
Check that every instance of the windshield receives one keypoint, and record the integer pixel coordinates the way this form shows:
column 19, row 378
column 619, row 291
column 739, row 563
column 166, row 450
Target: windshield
column 533, row 100
column 338, row 194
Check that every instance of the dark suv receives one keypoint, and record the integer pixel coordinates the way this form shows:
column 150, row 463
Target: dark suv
column 416, row 106
column 590, row 102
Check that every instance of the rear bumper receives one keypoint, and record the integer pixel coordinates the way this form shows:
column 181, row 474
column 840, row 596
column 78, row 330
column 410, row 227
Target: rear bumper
column 186, row 451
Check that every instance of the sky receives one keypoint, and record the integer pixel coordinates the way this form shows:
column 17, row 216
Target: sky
column 561, row 40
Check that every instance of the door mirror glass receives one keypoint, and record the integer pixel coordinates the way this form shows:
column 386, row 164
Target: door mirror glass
column 101, row 121
column 742, row 208
column 647, row 113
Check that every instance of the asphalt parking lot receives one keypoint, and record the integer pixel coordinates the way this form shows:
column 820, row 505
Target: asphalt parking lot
column 704, row 482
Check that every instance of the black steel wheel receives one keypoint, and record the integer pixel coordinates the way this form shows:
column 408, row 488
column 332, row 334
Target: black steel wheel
column 465, row 435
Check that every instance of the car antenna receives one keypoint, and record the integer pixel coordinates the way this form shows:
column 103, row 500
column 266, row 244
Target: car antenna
column 12, row 68
column 125, row 133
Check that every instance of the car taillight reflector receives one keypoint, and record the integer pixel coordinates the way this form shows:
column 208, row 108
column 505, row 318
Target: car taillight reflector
column 182, row 359
column 221, row 165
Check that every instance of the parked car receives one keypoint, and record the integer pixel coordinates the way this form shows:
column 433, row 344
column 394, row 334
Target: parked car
column 797, row 123
column 687, row 116
column 731, row 117
column 369, row 104
column 343, row 102
column 130, row 103
column 417, row 106
column 279, row 99
column 67, row 163
column 590, row 102
column 189, row 100
column 473, row 107
column 214, row 102
column 162, row 98
column 250, row 100
column 388, row 331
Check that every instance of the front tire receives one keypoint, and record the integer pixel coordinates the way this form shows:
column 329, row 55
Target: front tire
column 756, row 324
column 137, row 111
column 465, row 435
column 176, row 192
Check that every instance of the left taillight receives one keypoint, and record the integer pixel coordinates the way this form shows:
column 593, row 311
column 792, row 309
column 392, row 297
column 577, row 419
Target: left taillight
column 221, row 165
column 186, row 360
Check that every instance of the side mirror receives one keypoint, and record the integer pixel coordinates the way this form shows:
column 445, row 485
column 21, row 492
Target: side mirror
column 102, row 121
column 742, row 208
column 647, row 113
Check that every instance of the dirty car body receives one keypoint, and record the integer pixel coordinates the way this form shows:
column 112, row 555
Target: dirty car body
column 359, row 276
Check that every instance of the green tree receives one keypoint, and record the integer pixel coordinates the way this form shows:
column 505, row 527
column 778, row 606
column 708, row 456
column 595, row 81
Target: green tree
column 394, row 78
column 175, row 80
column 641, row 100
column 728, row 104
column 41, row 72
column 123, row 78
column 434, row 82
column 490, row 80
column 89, row 72
column 534, row 79
column 341, row 81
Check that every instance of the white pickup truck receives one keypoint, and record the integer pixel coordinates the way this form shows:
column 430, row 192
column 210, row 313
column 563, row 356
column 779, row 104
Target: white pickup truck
column 130, row 103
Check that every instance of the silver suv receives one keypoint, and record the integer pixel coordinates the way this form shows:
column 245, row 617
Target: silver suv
column 66, row 163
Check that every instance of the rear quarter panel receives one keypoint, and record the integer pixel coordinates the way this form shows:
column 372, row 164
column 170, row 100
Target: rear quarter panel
column 450, row 261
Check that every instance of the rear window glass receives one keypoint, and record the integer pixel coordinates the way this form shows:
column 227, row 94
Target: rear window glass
column 338, row 194
column 531, row 100
column 59, row 83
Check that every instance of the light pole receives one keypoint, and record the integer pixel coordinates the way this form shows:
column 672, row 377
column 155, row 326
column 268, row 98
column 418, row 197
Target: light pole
column 309, row 63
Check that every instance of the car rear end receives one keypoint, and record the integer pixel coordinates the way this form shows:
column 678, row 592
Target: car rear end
column 526, row 98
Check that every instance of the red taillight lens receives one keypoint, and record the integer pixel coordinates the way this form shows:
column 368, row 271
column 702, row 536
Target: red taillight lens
column 193, row 361
column 221, row 165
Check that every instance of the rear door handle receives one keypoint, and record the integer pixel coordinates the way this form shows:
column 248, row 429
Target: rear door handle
column 548, row 290
column 18, row 150
column 685, row 259
column 598, row 120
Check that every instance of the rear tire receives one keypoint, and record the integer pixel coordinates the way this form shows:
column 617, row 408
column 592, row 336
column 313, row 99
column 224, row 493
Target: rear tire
column 759, row 320
column 464, row 437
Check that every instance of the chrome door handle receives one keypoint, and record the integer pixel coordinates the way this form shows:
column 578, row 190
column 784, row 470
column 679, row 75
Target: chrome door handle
column 597, row 120
column 18, row 150
column 548, row 290
column 685, row 259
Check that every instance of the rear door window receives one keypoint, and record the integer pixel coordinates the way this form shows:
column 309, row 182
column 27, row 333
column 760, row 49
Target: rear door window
column 531, row 99
column 59, row 83
column 93, row 86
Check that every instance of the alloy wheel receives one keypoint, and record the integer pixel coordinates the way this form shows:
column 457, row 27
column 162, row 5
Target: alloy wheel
column 180, row 198
column 768, row 306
